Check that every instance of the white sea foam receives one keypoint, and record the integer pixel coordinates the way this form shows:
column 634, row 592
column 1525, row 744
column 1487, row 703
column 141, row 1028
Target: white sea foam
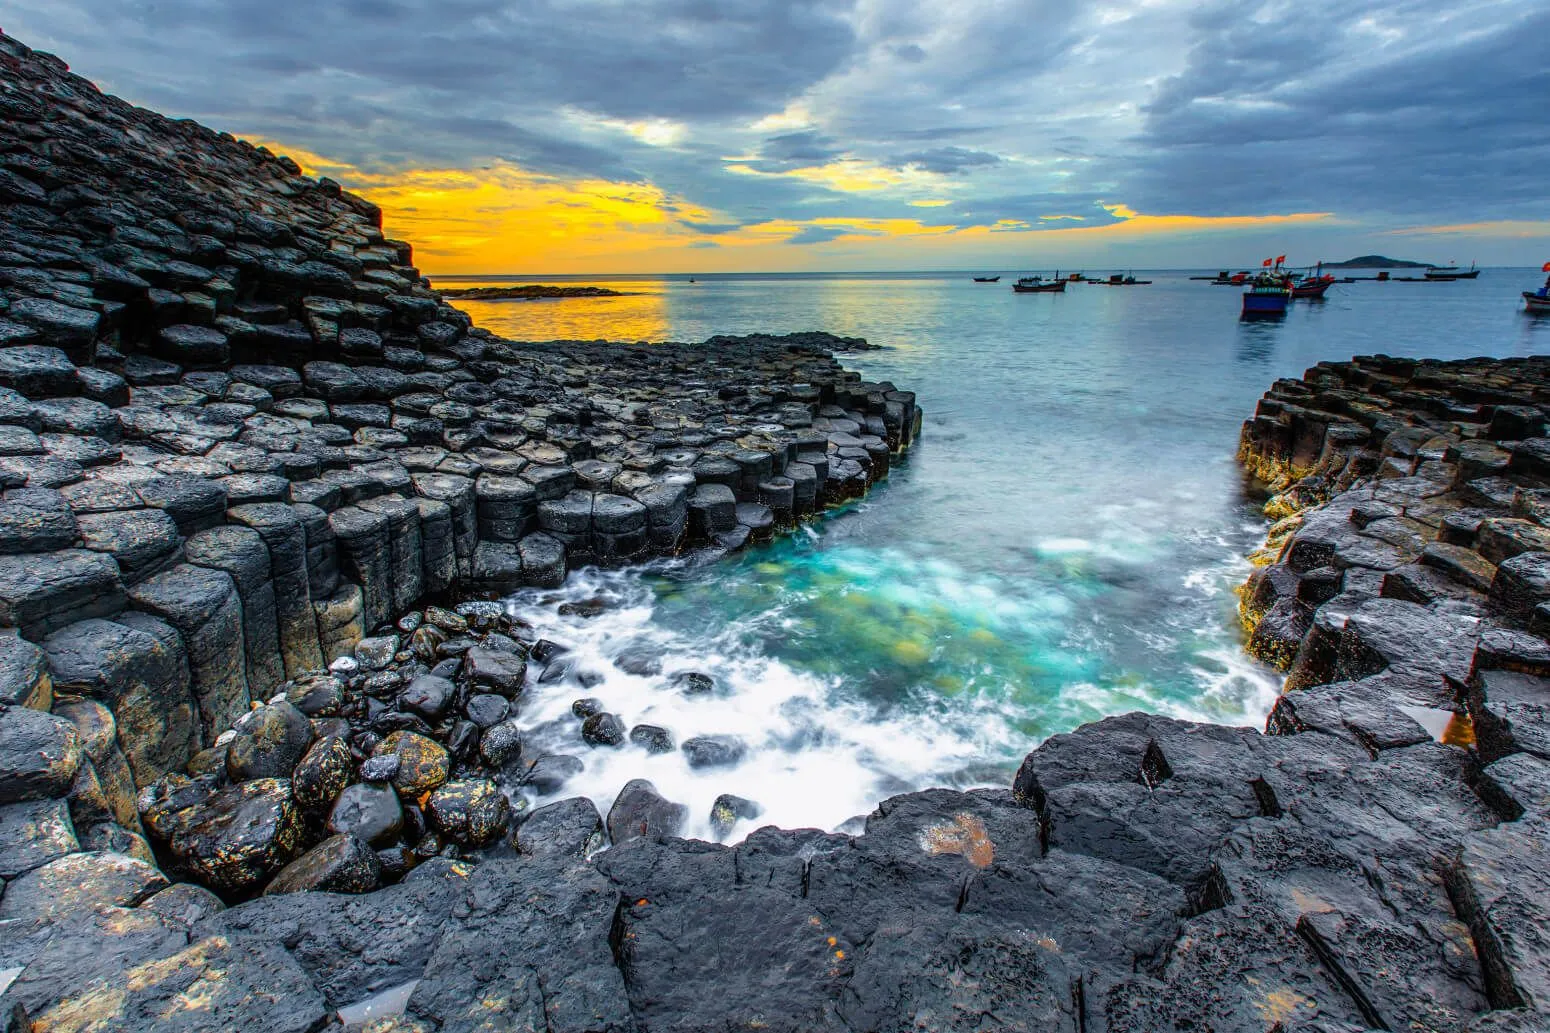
column 816, row 755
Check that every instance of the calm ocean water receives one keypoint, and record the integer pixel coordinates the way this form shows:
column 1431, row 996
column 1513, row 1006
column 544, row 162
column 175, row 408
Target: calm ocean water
column 1062, row 544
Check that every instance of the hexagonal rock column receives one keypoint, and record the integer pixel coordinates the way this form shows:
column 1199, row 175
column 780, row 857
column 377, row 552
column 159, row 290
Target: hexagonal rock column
column 241, row 552
column 438, row 567
column 43, row 592
column 505, row 506
column 284, row 532
column 366, row 559
column 404, row 547
column 135, row 666
column 24, row 674
column 204, row 606
column 459, row 495
column 618, row 527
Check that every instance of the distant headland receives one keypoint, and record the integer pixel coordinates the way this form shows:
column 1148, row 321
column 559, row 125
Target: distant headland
column 1376, row 262
column 527, row 292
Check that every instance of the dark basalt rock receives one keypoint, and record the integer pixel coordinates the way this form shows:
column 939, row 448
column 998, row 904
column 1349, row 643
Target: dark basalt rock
column 321, row 775
column 369, row 812
column 495, row 671
column 214, row 983
column 728, row 810
column 39, row 755
column 549, row 772
column 653, row 739
column 640, row 811
column 428, row 696
column 714, row 751
column 470, row 812
column 75, row 885
column 423, row 764
column 339, row 864
column 269, row 743
column 239, row 837
column 568, row 828
column 603, row 729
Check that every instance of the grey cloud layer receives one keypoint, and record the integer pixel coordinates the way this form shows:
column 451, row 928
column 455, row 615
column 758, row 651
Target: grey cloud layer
column 1017, row 109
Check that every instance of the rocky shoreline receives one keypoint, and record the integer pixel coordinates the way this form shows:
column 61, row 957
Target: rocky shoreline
column 245, row 450
column 525, row 292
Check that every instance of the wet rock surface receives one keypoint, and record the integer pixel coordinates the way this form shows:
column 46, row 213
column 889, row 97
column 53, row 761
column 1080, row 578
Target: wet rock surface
column 241, row 441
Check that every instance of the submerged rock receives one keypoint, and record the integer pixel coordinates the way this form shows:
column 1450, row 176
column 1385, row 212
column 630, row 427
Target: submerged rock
column 640, row 811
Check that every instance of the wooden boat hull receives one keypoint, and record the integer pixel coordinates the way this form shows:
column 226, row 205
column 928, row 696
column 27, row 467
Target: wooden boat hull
column 1472, row 274
column 1057, row 287
column 1265, row 306
column 986, row 279
column 1315, row 290
column 1539, row 304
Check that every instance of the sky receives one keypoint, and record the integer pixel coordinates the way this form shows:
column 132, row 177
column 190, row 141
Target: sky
column 593, row 136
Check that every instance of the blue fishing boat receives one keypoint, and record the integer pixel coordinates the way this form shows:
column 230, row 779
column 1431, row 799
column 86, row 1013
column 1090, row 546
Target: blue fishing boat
column 1266, row 298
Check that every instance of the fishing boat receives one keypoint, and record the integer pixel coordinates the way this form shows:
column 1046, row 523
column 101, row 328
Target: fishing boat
column 1538, row 302
column 1313, row 284
column 1125, row 280
column 1313, row 287
column 1267, row 297
column 1451, row 272
column 986, row 279
column 1039, row 285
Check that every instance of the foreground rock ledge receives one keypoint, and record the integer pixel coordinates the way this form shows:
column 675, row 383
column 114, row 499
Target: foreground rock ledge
column 193, row 522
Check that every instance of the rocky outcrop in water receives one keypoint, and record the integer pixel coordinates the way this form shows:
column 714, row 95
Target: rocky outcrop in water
column 239, row 433
column 240, row 436
column 526, row 292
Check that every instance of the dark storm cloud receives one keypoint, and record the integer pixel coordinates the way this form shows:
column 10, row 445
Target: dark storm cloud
column 495, row 61
column 1015, row 110
column 1281, row 110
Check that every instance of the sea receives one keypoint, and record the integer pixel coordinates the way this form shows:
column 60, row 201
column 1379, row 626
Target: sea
column 1062, row 543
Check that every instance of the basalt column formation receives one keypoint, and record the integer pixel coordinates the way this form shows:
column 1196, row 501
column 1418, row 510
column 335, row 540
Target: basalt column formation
column 251, row 779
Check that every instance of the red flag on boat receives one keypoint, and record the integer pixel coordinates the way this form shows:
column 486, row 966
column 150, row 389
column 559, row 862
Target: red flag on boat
column 1267, row 263
column 1280, row 259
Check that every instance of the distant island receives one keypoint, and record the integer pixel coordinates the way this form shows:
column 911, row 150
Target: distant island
column 1376, row 262
column 526, row 292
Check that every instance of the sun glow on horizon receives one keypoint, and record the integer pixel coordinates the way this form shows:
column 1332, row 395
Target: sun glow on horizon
column 502, row 217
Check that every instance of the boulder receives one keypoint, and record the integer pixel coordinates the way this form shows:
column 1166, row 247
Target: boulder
column 368, row 812
column 713, row 751
column 567, row 828
column 470, row 812
column 423, row 764
column 269, row 742
column 339, row 864
column 321, row 775
column 603, row 729
column 238, row 838
column 639, row 810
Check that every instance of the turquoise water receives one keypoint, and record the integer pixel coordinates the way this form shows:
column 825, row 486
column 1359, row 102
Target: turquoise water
column 1062, row 543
